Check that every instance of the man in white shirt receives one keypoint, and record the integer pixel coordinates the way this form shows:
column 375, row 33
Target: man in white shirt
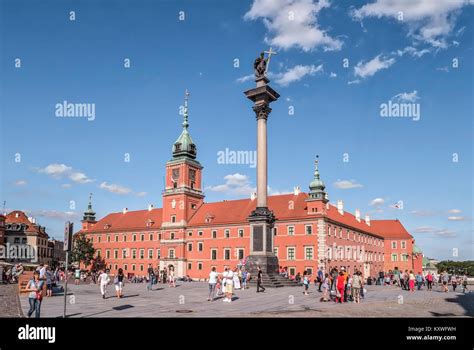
column 104, row 280
column 228, row 280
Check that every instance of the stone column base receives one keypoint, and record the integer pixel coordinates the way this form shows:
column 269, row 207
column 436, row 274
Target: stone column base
column 268, row 263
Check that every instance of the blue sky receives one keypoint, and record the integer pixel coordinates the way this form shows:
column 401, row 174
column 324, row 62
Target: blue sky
column 336, row 108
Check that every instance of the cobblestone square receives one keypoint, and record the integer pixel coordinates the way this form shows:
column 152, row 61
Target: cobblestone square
column 189, row 300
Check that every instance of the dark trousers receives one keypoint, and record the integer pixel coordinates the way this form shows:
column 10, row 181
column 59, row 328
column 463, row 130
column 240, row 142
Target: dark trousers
column 35, row 306
column 320, row 284
column 259, row 286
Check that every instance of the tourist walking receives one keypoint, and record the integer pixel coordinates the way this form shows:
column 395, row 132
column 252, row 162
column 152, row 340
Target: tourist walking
column 151, row 277
column 356, row 286
column 213, row 276
column 306, row 282
column 165, row 275
column 259, row 280
column 454, row 283
column 429, row 281
column 445, row 280
column 325, row 288
column 77, row 276
column 49, row 281
column 104, row 280
column 228, row 282
column 320, row 278
column 35, row 287
column 118, row 282
column 340, row 286
column 236, row 279
column 172, row 282
column 244, row 279
column 411, row 281
column 419, row 280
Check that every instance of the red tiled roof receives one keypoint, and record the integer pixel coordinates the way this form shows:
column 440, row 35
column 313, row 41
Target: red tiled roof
column 390, row 229
column 23, row 219
column 131, row 220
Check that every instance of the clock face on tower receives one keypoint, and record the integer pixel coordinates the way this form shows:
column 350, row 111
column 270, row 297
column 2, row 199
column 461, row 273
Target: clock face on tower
column 175, row 174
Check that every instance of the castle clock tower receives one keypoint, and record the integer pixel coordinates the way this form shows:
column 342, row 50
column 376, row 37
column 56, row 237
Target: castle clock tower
column 182, row 197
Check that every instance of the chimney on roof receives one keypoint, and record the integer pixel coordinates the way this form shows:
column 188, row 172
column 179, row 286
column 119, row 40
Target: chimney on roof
column 150, row 207
column 125, row 210
column 31, row 219
column 357, row 215
column 340, row 207
column 296, row 190
column 17, row 215
column 253, row 195
column 367, row 220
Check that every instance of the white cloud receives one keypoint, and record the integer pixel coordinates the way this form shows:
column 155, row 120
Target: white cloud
column 20, row 183
column 454, row 211
column 113, row 188
column 377, row 202
column 245, row 78
column 293, row 23
column 297, row 73
column 333, row 75
column 413, row 51
column 356, row 81
column 422, row 213
column 59, row 171
column 66, row 185
column 368, row 69
column 141, row 194
column 438, row 232
column 428, row 21
column 235, row 184
column 406, row 96
column 457, row 218
column 53, row 214
column 346, row 184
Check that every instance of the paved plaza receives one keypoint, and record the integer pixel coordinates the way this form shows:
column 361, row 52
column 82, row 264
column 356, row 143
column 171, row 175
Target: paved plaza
column 188, row 299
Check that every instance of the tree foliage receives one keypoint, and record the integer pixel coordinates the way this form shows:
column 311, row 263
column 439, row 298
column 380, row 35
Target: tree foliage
column 456, row 267
column 83, row 251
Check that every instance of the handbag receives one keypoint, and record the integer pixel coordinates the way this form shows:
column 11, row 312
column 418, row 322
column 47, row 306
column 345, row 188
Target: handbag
column 39, row 296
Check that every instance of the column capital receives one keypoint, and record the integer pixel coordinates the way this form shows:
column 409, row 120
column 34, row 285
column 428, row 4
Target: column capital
column 262, row 111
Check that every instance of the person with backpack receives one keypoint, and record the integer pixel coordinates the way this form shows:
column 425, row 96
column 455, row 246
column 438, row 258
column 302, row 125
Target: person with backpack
column 35, row 287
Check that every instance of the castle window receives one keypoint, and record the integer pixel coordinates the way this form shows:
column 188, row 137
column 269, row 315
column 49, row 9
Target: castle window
column 213, row 254
column 172, row 235
column 125, row 267
column 227, row 233
column 290, row 253
column 199, row 266
column 193, row 206
column 214, row 234
column 199, row 233
column 309, row 229
column 151, row 237
column 173, row 218
column 175, row 185
column 394, row 245
column 200, row 246
column 189, row 266
column 142, row 238
column 403, row 244
column 150, row 253
column 171, row 254
column 134, row 238
column 291, row 230
column 240, row 253
column 142, row 253
column 158, row 253
column 241, row 233
column 116, row 254
column 134, row 253
column 190, row 247
column 309, row 253
column 124, row 253
column 190, row 233
column 226, row 254
column 107, row 254
column 116, row 238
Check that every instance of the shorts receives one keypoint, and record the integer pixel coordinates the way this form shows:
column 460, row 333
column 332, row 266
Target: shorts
column 49, row 286
column 306, row 286
column 119, row 287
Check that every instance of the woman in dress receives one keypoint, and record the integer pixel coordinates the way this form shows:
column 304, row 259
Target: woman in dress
column 325, row 287
column 236, row 279
column 172, row 282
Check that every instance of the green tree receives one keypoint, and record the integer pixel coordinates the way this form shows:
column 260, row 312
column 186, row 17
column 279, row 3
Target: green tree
column 456, row 267
column 82, row 251
column 98, row 263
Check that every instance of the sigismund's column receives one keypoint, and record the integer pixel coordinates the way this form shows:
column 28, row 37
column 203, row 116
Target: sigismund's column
column 262, row 218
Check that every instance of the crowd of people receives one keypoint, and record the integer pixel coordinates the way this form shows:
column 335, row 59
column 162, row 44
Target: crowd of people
column 408, row 280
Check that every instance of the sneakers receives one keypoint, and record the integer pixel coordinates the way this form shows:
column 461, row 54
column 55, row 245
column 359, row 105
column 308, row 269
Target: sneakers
column 227, row 300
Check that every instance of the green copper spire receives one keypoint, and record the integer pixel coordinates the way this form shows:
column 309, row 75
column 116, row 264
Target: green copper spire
column 317, row 186
column 184, row 145
column 89, row 214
